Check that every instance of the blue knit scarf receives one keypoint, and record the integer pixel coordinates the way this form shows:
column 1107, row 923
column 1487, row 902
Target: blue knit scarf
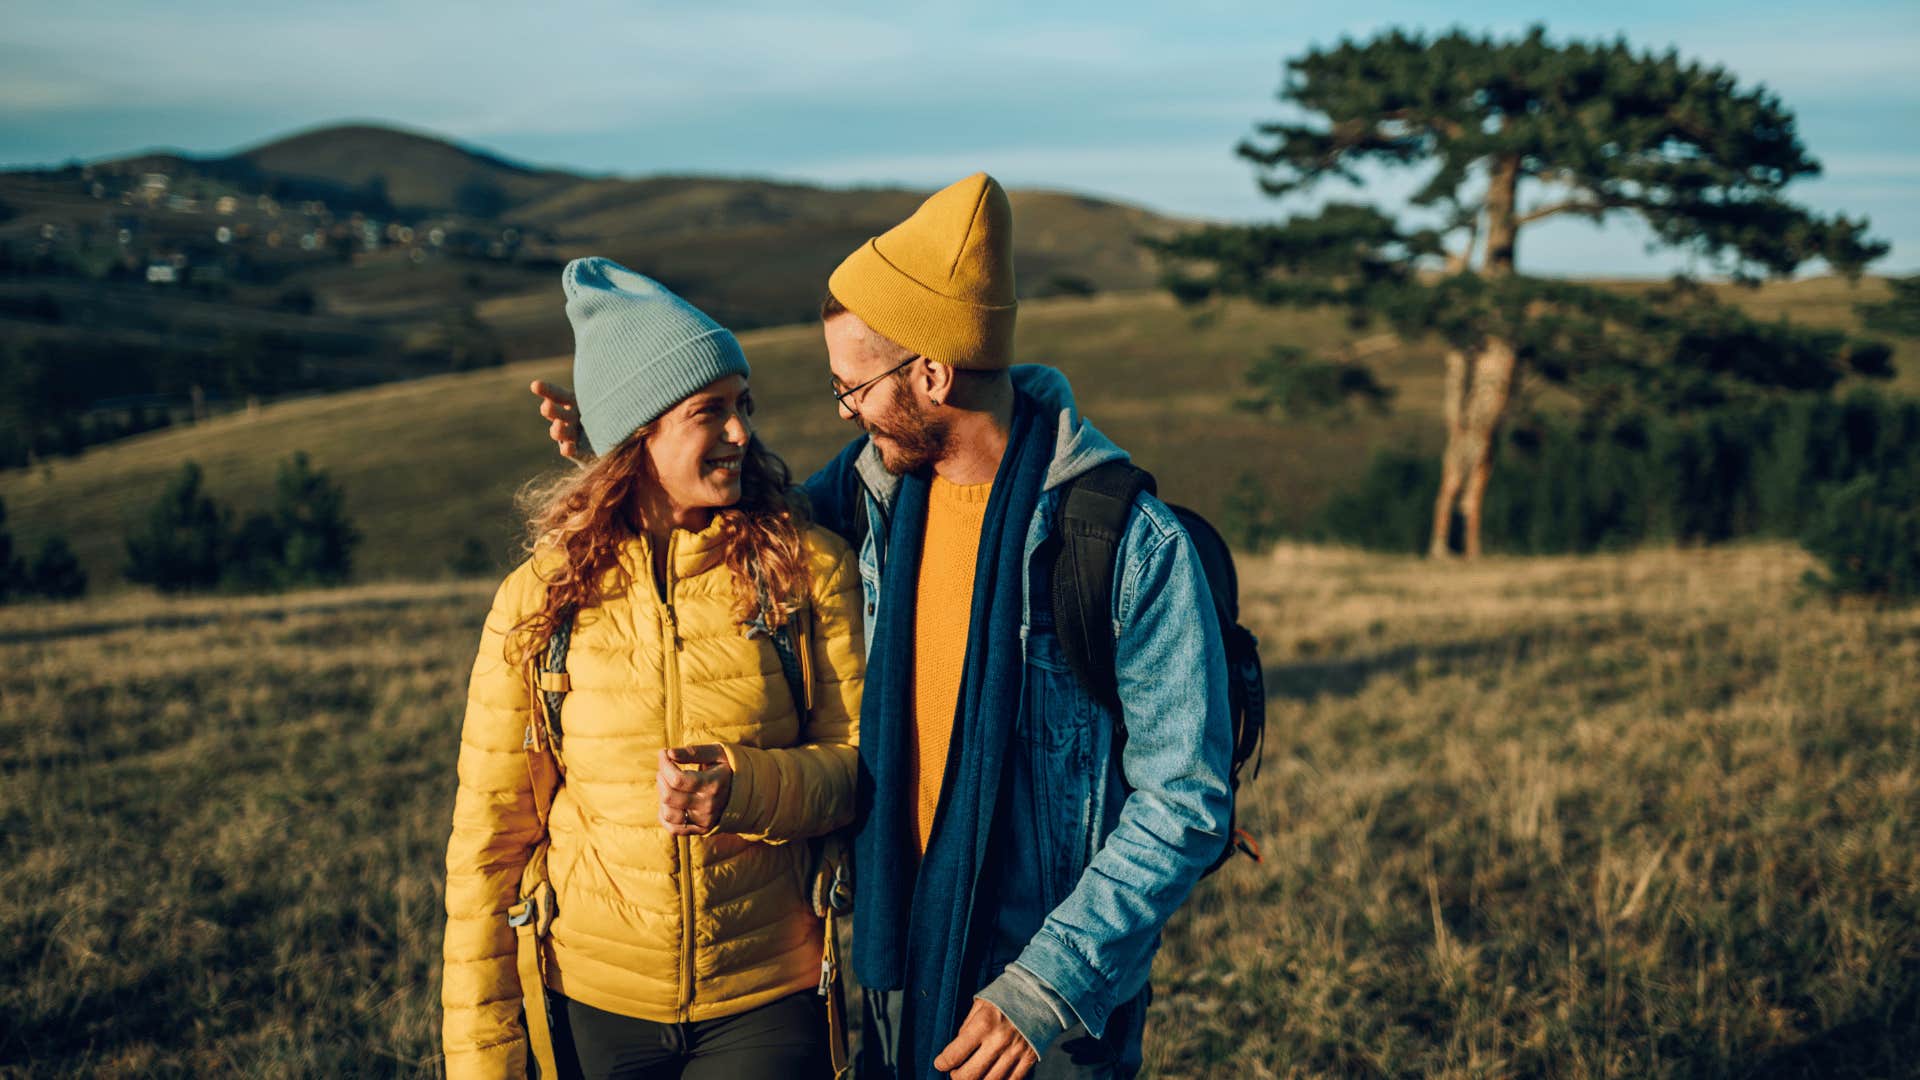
column 917, row 932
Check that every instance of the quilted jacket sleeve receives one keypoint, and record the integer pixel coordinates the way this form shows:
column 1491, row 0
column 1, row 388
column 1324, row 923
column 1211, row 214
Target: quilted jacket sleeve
column 495, row 827
column 807, row 790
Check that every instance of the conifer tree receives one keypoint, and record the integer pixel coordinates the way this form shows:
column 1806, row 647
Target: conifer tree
column 309, row 511
column 56, row 572
column 13, row 572
column 181, row 544
column 1899, row 313
column 1513, row 133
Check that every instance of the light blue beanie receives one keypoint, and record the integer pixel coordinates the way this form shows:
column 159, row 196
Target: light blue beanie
column 637, row 349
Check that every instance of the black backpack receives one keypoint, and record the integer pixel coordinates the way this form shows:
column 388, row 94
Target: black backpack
column 1093, row 516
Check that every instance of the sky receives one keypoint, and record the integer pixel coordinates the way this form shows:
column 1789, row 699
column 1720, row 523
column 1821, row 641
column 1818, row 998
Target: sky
column 1141, row 102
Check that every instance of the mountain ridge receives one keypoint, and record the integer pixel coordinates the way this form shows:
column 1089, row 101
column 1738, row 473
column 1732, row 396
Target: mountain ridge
column 430, row 255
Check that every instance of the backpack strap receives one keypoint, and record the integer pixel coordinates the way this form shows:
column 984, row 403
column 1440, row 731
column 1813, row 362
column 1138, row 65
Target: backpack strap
column 1093, row 516
column 832, row 888
column 789, row 644
column 552, row 681
column 853, row 500
column 532, row 917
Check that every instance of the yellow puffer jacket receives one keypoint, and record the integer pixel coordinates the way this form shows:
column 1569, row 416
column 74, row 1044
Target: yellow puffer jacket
column 649, row 925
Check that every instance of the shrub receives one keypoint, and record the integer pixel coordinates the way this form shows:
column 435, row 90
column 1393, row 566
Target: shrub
column 181, row 544
column 12, row 573
column 1868, row 536
column 1753, row 469
column 1068, row 285
column 309, row 510
column 56, row 573
column 1301, row 387
column 256, row 554
column 472, row 560
column 187, row 541
column 1248, row 519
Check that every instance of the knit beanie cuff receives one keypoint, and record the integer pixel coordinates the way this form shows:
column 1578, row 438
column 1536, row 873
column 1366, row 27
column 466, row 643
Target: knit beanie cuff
column 895, row 304
column 667, row 379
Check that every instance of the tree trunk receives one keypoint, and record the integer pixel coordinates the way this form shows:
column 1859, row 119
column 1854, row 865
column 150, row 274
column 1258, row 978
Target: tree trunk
column 1453, row 463
column 1492, row 387
column 1503, row 226
column 1478, row 385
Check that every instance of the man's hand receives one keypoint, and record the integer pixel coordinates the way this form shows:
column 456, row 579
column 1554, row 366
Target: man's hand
column 988, row 1047
column 557, row 404
column 692, row 800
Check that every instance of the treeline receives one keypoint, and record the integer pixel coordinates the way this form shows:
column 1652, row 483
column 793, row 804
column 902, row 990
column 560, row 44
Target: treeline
column 188, row 541
column 62, row 393
column 1841, row 474
column 54, row 573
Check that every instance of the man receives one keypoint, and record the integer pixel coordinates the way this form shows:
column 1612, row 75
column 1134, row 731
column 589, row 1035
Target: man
column 1020, row 847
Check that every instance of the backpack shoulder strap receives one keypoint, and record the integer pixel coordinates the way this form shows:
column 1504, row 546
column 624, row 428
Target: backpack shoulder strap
column 532, row 915
column 552, row 672
column 854, row 504
column 1093, row 517
column 789, row 643
column 550, row 685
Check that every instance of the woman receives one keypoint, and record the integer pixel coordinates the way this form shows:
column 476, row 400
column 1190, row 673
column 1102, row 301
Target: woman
column 680, row 778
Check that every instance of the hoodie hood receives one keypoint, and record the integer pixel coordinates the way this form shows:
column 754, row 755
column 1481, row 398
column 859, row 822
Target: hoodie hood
column 1078, row 445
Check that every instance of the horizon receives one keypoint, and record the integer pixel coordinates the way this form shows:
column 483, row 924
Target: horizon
column 859, row 98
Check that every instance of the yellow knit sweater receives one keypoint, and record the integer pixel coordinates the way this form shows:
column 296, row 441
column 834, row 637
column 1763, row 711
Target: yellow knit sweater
column 942, row 615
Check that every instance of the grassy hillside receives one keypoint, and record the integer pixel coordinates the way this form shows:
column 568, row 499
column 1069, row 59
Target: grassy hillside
column 429, row 463
column 1641, row 815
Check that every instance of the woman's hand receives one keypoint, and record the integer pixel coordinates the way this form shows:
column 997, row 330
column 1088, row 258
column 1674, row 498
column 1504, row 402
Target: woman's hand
column 692, row 799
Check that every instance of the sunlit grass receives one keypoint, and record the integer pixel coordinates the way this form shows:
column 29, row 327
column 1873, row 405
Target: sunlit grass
column 1649, row 814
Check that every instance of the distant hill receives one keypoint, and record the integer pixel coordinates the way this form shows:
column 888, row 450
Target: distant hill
column 358, row 254
column 420, row 174
column 752, row 251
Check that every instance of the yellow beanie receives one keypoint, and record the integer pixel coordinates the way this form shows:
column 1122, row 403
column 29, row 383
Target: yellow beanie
column 941, row 282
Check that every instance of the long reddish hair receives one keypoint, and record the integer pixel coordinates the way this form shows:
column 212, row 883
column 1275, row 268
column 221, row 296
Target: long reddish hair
column 586, row 515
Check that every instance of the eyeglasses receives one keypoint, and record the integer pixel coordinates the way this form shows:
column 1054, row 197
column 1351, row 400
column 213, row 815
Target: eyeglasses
column 840, row 396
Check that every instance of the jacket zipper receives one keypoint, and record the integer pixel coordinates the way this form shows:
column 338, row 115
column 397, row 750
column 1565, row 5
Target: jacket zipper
column 676, row 737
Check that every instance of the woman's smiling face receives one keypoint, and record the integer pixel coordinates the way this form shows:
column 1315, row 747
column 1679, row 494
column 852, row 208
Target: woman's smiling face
column 698, row 447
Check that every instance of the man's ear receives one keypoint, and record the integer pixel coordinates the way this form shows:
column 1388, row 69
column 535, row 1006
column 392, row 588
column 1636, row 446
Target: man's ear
column 939, row 381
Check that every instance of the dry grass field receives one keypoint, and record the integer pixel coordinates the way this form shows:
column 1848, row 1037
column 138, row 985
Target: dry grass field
column 1639, row 815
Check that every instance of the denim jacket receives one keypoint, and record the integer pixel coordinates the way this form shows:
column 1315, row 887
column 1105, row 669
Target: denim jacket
column 1106, row 833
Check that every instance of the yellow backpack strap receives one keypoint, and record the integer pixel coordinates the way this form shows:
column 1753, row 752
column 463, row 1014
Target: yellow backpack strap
column 532, row 917
column 832, row 898
column 833, row 988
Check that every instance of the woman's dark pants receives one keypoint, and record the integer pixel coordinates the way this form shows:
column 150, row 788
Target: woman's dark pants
column 787, row 1038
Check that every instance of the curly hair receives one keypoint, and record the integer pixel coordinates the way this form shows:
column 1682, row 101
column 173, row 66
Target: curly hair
column 588, row 514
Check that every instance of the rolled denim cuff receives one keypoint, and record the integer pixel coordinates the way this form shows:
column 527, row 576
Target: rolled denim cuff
column 1039, row 1014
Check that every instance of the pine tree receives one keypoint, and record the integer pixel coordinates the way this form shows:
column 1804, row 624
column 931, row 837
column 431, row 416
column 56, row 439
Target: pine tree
column 1514, row 133
column 1899, row 313
column 56, row 573
column 309, row 511
column 12, row 572
column 181, row 544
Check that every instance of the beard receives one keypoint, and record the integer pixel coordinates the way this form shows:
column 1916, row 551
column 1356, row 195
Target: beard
column 914, row 435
